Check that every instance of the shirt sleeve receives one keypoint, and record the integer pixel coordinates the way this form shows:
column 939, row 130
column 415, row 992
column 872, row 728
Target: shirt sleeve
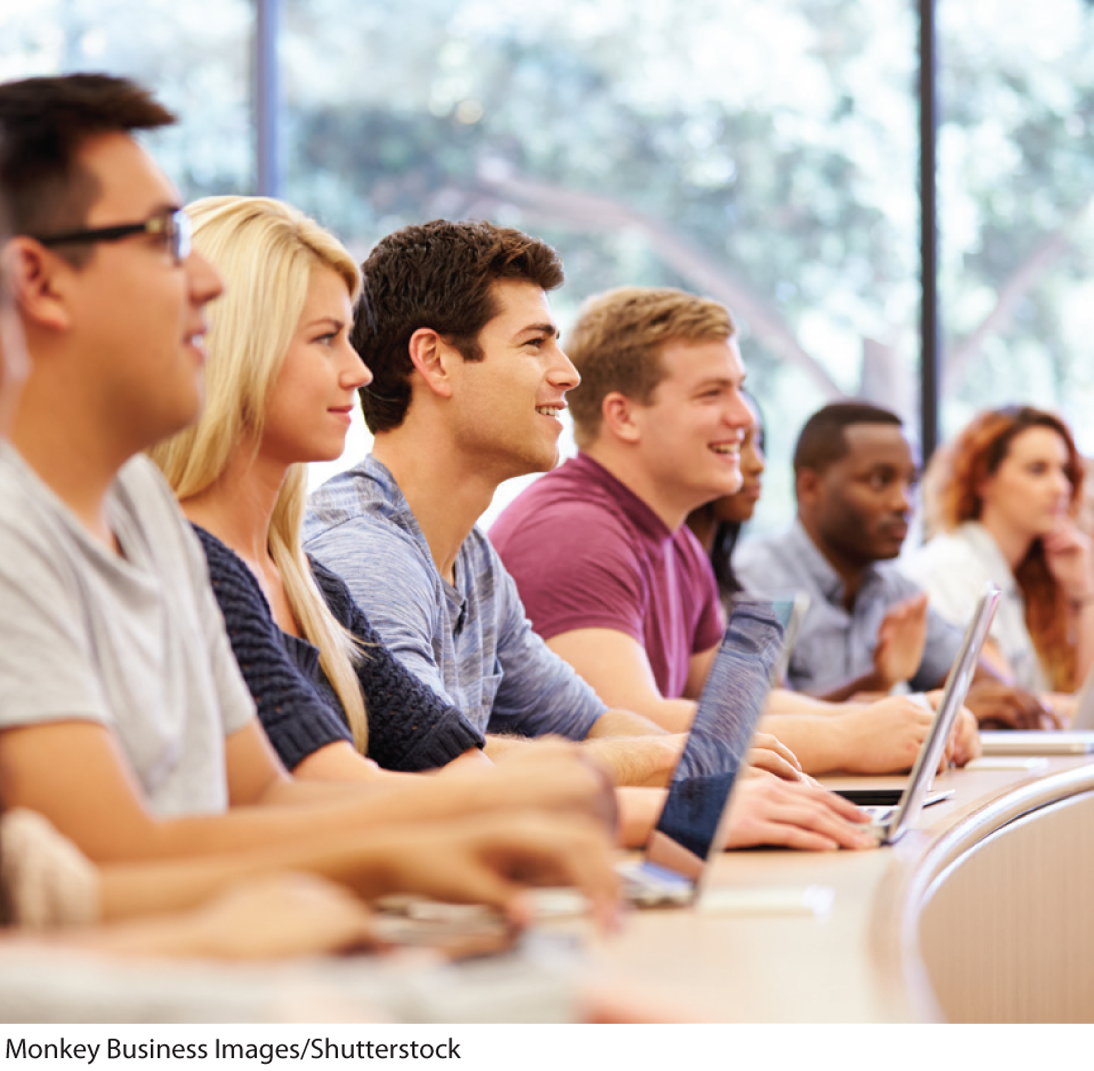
column 410, row 727
column 385, row 575
column 539, row 691
column 296, row 718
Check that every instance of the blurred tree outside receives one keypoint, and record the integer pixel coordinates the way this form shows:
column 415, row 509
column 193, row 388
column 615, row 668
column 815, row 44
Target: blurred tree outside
column 764, row 154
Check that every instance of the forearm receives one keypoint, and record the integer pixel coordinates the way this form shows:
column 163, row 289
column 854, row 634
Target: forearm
column 291, row 814
column 657, row 715
column 622, row 723
column 820, row 742
column 637, row 761
column 787, row 701
column 865, row 682
column 639, row 810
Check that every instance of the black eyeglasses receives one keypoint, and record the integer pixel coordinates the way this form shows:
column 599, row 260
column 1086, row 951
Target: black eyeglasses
column 173, row 225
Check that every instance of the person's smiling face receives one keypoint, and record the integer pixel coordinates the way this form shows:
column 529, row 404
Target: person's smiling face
column 312, row 398
column 690, row 432
column 138, row 314
column 507, row 405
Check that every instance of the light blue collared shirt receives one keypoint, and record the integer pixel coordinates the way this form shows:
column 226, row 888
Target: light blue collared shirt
column 834, row 644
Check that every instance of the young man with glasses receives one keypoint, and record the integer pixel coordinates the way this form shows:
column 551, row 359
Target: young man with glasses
column 123, row 716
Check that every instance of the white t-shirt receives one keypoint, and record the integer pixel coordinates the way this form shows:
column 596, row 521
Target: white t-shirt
column 134, row 641
column 953, row 569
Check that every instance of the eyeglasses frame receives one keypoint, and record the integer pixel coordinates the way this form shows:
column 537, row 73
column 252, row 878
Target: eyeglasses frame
column 172, row 223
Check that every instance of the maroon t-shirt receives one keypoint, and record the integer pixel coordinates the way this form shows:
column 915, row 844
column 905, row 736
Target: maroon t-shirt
column 586, row 552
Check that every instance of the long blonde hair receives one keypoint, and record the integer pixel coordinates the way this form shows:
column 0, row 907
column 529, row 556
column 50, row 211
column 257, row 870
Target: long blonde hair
column 266, row 251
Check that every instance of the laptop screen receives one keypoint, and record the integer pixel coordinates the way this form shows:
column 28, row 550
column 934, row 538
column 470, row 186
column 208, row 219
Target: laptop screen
column 729, row 708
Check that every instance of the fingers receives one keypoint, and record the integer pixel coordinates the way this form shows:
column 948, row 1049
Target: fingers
column 1054, row 718
column 795, row 815
column 541, row 851
column 773, row 743
column 967, row 737
column 770, row 754
column 769, row 762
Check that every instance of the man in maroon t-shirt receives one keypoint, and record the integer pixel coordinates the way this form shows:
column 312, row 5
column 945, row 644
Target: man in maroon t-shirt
column 609, row 573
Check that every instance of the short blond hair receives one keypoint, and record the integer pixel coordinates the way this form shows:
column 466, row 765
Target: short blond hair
column 618, row 339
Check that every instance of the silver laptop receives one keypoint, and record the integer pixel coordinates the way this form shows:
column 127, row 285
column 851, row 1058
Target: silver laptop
column 890, row 828
column 1076, row 740
column 680, row 848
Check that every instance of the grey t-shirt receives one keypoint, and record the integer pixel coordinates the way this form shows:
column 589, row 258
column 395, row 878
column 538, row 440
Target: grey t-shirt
column 134, row 641
column 472, row 642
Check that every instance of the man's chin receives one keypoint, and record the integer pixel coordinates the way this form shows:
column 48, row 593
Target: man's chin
column 885, row 552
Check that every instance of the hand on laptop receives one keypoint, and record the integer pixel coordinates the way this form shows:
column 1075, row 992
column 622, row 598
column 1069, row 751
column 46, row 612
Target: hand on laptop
column 884, row 736
column 766, row 810
column 998, row 705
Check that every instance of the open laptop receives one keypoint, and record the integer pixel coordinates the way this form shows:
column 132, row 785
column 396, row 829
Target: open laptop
column 1076, row 740
column 680, row 847
column 892, row 823
column 748, row 659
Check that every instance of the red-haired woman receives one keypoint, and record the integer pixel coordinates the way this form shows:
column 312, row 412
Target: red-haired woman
column 1005, row 495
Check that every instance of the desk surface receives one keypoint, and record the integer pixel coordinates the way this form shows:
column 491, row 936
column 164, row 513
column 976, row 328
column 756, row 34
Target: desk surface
column 857, row 962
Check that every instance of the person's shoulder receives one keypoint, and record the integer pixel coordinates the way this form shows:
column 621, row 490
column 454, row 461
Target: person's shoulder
column 334, row 589
column 359, row 511
column 761, row 551
column 141, row 490
column 569, row 518
column 554, row 500
column 947, row 552
column 18, row 487
column 362, row 495
column 224, row 564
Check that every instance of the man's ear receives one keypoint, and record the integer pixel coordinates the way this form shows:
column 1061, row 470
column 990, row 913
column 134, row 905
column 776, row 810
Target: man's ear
column 38, row 283
column 432, row 358
column 807, row 486
column 617, row 417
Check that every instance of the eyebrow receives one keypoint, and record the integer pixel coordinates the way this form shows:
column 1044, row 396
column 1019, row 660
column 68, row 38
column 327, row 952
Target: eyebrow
column 321, row 320
column 540, row 329
column 720, row 381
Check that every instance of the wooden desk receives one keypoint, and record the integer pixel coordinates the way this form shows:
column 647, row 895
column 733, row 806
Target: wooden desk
column 983, row 913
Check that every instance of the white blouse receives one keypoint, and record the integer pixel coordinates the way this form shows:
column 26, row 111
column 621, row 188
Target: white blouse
column 953, row 569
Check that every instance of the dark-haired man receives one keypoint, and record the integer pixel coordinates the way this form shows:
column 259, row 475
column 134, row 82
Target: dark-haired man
column 868, row 626
column 469, row 379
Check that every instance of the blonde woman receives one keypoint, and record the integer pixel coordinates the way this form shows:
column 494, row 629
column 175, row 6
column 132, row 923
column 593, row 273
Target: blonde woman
column 280, row 383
